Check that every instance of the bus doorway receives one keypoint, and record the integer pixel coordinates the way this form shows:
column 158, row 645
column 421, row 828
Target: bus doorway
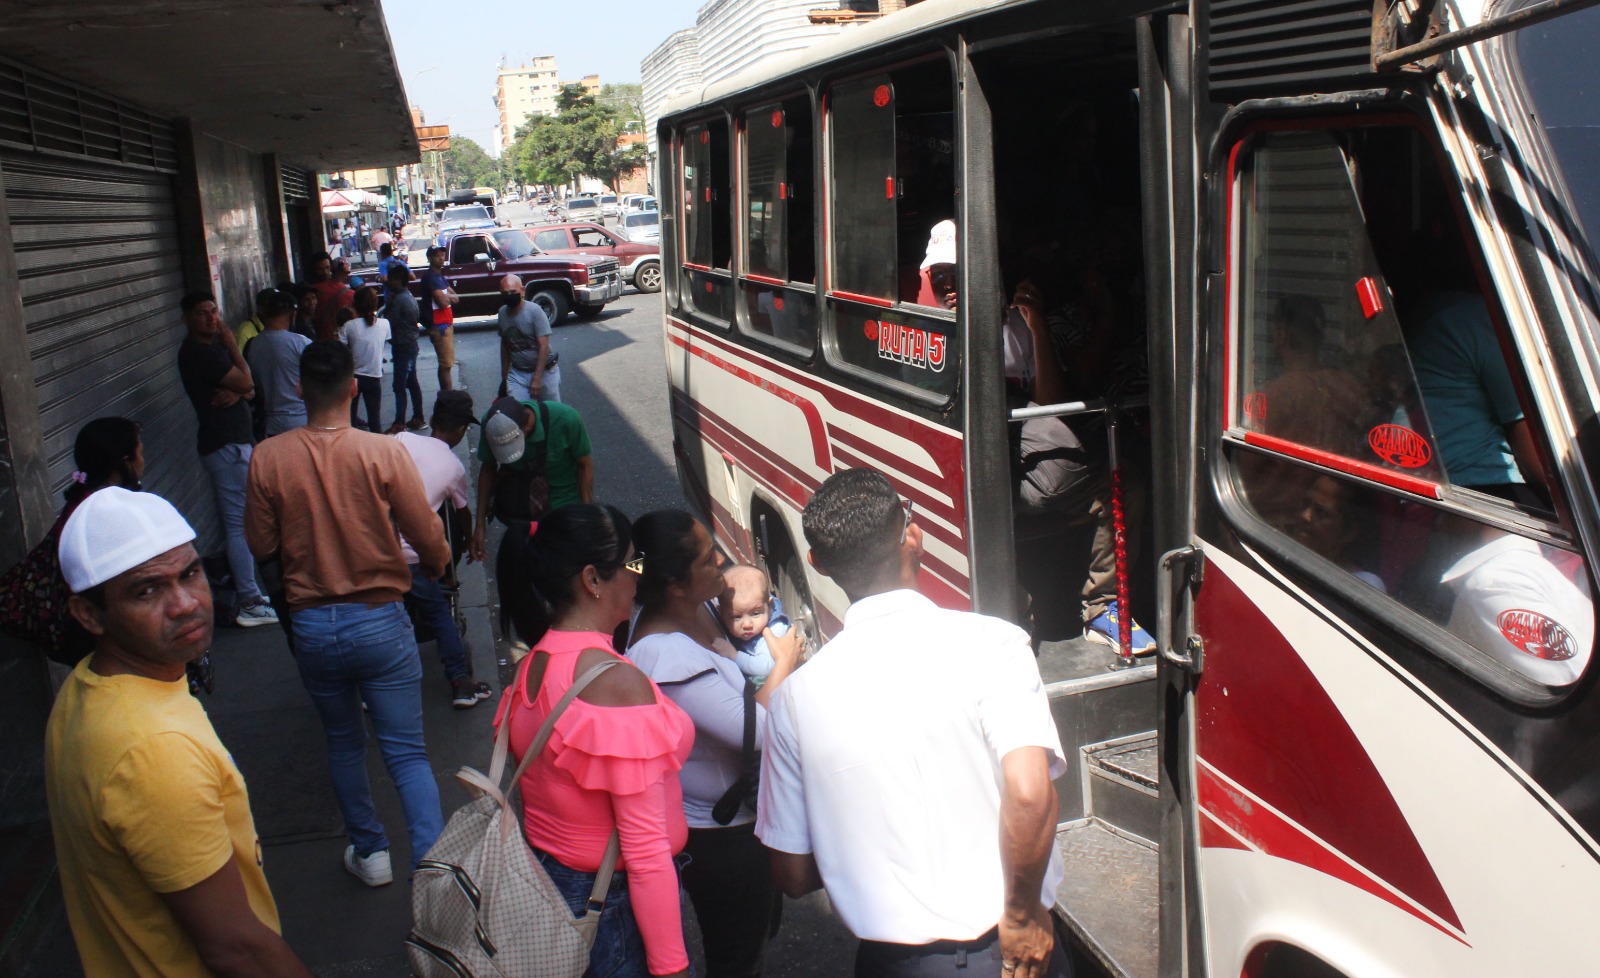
column 1068, row 237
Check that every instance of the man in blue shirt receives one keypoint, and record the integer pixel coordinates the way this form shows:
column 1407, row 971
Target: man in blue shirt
column 1472, row 405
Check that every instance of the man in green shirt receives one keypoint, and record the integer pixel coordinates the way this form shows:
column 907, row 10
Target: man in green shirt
column 515, row 439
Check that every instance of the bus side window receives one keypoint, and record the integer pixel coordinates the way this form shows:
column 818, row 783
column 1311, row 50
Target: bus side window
column 893, row 156
column 778, row 212
column 1354, row 417
column 707, row 220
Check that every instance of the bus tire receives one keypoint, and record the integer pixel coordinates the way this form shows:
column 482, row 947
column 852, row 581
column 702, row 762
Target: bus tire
column 648, row 277
column 553, row 303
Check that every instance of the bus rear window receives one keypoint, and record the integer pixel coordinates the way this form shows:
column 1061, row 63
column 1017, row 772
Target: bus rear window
column 893, row 156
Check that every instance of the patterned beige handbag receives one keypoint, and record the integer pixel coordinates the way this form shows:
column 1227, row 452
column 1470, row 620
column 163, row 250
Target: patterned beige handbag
column 482, row 906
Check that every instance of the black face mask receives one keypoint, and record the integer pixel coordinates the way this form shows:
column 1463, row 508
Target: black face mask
column 510, row 299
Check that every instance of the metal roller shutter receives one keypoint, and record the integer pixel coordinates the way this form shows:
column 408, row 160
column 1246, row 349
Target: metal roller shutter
column 100, row 275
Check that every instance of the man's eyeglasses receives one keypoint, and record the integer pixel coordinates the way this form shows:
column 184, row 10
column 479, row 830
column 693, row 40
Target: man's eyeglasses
column 906, row 503
column 636, row 564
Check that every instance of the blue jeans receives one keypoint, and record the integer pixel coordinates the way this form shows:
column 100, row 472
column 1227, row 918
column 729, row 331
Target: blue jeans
column 434, row 608
column 405, row 381
column 618, row 946
column 229, row 467
column 354, row 653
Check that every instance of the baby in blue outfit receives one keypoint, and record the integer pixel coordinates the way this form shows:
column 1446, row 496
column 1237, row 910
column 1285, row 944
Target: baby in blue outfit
column 747, row 606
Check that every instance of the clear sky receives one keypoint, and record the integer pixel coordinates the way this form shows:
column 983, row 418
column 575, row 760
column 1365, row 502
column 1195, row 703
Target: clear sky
column 449, row 49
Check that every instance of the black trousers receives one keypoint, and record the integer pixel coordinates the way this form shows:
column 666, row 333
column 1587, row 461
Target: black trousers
column 979, row 958
column 729, row 881
column 370, row 391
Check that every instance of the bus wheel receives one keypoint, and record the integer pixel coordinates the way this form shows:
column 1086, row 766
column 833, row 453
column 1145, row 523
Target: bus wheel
column 648, row 278
column 789, row 581
column 553, row 303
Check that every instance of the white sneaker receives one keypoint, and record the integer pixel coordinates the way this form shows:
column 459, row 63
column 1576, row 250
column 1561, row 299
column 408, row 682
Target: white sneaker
column 373, row 870
column 260, row 613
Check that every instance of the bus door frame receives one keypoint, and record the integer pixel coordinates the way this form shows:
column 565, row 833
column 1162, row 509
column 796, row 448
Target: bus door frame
column 1168, row 159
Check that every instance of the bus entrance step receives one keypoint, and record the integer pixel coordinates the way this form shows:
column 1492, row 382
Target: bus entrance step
column 1121, row 782
column 1109, row 899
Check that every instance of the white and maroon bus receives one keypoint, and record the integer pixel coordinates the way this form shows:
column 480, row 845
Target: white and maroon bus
column 1339, row 259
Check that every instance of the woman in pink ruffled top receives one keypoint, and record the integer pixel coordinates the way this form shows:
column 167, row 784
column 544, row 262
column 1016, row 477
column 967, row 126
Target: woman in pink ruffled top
column 614, row 757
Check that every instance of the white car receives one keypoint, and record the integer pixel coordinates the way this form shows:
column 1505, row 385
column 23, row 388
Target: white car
column 608, row 205
column 580, row 209
column 642, row 226
column 642, row 202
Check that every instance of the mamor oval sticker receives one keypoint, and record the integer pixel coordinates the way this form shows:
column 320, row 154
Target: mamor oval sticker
column 1255, row 407
column 1399, row 445
column 870, row 328
column 777, row 119
column 1537, row 635
column 880, row 96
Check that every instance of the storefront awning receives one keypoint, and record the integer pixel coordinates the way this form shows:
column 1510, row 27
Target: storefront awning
column 313, row 81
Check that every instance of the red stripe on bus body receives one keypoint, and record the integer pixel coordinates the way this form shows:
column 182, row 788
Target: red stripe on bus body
column 776, row 481
column 867, row 299
column 1349, row 466
column 943, row 443
column 882, row 457
column 764, row 279
column 1276, row 836
column 819, row 437
column 693, row 410
column 698, row 268
column 727, row 441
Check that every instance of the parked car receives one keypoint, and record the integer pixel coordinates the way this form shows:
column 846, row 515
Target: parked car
column 476, row 260
column 643, row 202
column 579, row 209
column 640, row 261
column 608, row 205
column 464, row 217
column 512, row 198
column 642, row 227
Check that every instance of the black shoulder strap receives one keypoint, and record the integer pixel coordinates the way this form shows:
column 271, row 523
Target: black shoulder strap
column 544, row 425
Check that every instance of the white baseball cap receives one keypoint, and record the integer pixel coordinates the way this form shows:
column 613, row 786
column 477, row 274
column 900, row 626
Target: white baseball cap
column 116, row 530
column 941, row 245
column 502, row 429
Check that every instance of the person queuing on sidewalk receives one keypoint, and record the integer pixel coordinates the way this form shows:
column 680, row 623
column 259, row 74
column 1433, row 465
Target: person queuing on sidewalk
column 528, row 370
column 160, row 863
column 305, row 320
column 444, row 479
column 219, row 384
column 878, row 780
column 274, row 359
column 365, row 335
column 255, row 325
column 327, row 499
column 680, row 644
column 400, row 308
column 33, row 594
column 566, row 583
column 438, row 315
column 331, row 279
column 530, row 465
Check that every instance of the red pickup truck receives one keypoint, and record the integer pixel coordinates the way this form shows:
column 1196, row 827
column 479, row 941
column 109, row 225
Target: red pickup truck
column 476, row 261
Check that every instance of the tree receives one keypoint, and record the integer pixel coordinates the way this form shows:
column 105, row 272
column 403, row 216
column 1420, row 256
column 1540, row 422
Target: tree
column 465, row 165
column 580, row 141
column 628, row 100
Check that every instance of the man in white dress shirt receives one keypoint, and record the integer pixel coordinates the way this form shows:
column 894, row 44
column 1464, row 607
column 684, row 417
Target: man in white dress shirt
column 907, row 766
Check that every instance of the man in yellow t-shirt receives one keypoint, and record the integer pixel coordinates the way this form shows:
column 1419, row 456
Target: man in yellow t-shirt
column 159, row 859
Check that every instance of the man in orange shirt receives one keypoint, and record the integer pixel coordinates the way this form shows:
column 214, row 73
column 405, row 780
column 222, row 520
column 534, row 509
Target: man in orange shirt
column 327, row 499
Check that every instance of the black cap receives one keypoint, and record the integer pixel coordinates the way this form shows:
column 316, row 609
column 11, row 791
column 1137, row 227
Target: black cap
column 453, row 409
column 274, row 302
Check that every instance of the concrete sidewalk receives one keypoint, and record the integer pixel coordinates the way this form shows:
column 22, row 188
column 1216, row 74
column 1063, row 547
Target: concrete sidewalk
column 265, row 717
